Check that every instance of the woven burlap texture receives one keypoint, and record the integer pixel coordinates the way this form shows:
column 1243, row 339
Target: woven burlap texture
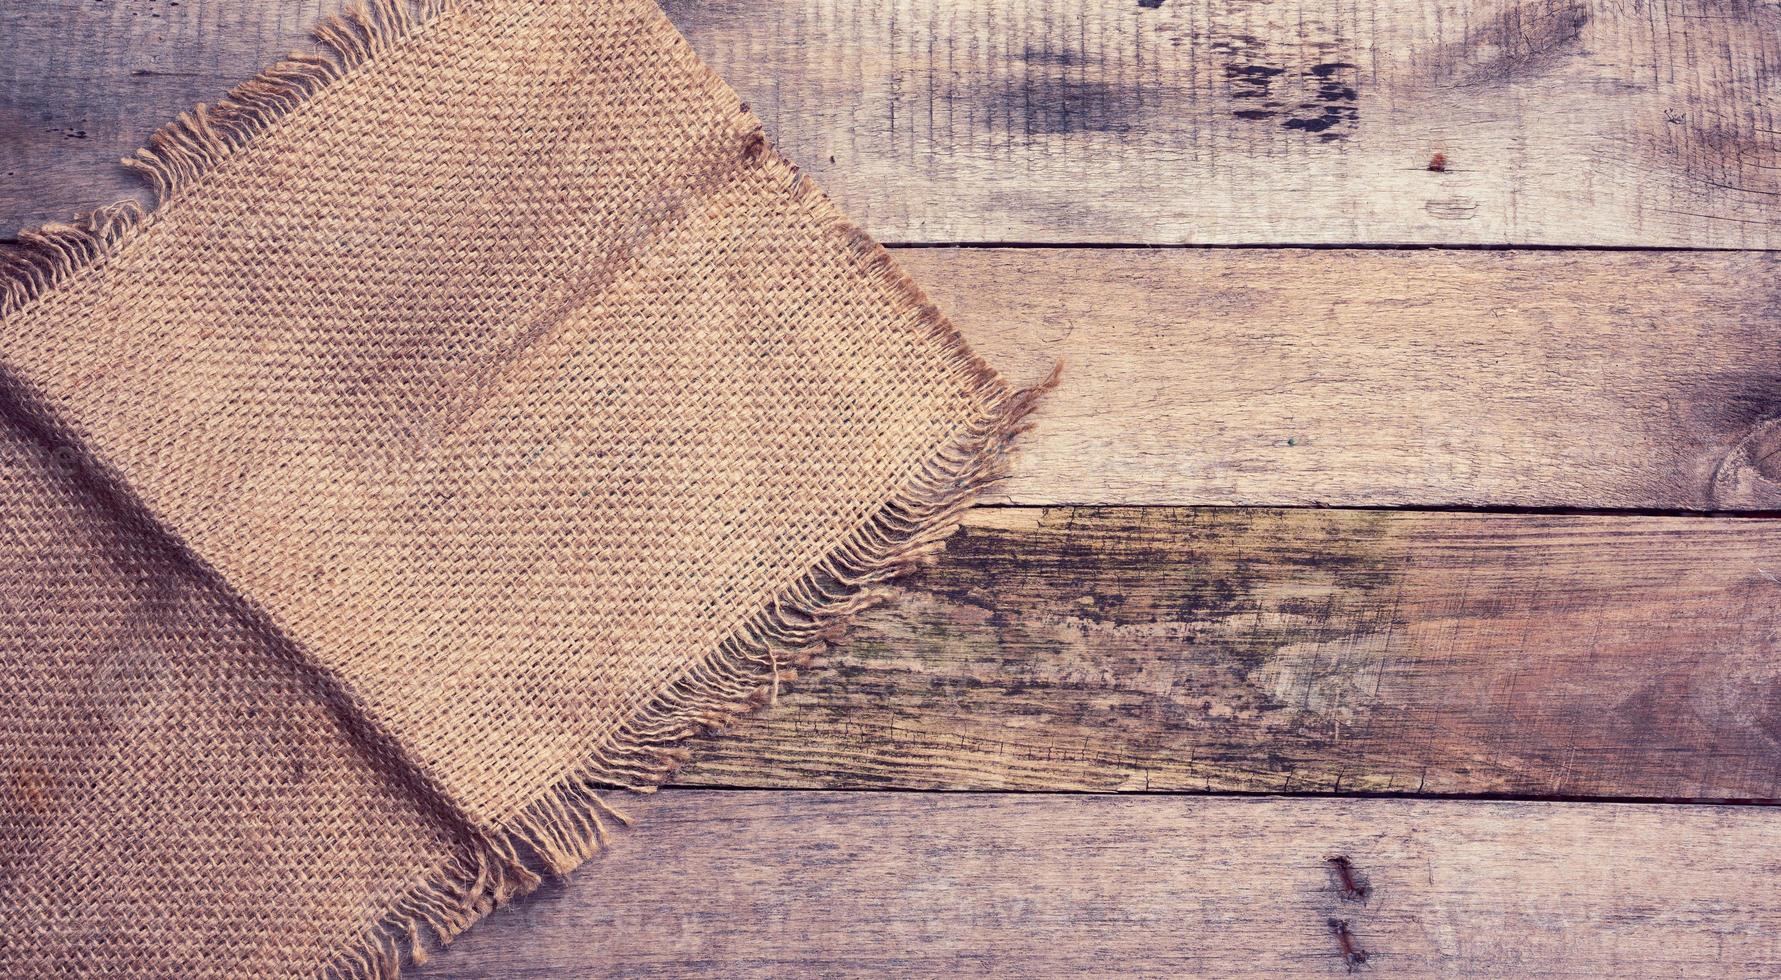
column 482, row 409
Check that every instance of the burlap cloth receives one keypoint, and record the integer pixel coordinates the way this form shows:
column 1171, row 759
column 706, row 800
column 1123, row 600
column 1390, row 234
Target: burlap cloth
column 483, row 409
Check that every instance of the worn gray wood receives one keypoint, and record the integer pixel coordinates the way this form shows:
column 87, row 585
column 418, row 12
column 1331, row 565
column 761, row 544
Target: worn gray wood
column 1584, row 122
column 1153, row 649
column 740, row 884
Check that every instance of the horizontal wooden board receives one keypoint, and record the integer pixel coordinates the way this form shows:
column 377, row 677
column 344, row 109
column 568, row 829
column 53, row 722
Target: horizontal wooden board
column 898, row 884
column 1570, row 122
column 1590, row 122
column 1301, row 651
column 1235, row 376
column 1383, row 378
column 84, row 82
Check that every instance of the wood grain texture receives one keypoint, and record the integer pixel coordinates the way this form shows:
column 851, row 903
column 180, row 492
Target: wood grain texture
column 1590, row 122
column 1154, row 649
column 1577, row 122
column 1268, row 377
column 1642, row 380
column 84, row 82
column 898, row 884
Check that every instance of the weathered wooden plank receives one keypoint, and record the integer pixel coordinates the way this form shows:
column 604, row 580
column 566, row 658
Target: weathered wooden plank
column 1522, row 121
column 1302, row 651
column 1231, row 376
column 84, row 82
column 917, row 884
column 1357, row 378
column 1591, row 122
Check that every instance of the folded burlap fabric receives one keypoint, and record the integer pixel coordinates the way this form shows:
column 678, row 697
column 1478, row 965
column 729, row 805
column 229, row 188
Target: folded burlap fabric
column 483, row 409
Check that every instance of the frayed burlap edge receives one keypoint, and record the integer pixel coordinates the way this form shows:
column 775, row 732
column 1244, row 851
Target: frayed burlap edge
column 567, row 824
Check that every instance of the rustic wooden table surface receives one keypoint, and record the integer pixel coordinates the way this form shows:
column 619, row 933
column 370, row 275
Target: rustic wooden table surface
column 1409, row 499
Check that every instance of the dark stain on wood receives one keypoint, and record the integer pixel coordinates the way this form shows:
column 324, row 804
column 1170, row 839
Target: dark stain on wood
column 1252, row 81
column 1320, row 99
column 1334, row 103
column 1353, row 956
column 1060, row 90
column 1749, row 474
column 1748, row 409
column 1350, row 884
column 1522, row 42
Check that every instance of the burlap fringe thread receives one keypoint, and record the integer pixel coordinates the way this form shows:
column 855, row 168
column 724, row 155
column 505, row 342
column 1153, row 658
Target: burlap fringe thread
column 567, row 825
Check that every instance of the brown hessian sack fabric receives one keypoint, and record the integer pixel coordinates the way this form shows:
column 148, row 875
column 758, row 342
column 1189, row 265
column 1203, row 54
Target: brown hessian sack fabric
column 482, row 409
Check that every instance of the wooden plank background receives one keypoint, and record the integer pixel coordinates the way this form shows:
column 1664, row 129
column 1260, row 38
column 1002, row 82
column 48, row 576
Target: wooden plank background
column 1365, row 378
column 1535, row 379
column 747, row 884
column 1077, row 643
column 1150, row 649
column 1557, row 122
